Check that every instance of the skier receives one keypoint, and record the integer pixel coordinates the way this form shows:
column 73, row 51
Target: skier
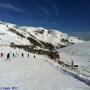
column 28, row 55
column 1, row 54
column 72, row 64
column 13, row 55
column 22, row 55
column 34, row 56
column 8, row 56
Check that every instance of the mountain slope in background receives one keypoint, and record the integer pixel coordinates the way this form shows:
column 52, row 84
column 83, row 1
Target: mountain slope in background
column 13, row 33
column 54, row 37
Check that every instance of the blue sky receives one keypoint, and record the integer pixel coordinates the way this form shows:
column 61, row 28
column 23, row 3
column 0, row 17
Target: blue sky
column 66, row 15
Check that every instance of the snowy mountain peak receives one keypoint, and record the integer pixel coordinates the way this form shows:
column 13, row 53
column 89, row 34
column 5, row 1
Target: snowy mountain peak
column 19, row 35
column 54, row 37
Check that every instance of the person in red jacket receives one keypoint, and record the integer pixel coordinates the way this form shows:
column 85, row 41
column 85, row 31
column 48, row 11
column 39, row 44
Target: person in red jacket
column 1, row 55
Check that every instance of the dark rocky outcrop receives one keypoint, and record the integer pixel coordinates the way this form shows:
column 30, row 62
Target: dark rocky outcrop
column 16, row 32
column 32, row 48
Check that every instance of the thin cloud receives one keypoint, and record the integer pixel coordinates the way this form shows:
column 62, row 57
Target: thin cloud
column 43, row 8
column 11, row 7
column 55, row 8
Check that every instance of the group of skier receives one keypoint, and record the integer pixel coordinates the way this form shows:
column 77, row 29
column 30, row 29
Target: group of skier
column 9, row 55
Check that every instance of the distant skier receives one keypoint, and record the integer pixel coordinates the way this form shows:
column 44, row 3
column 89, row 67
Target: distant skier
column 28, row 55
column 34, row 56
column 13, row 55
column 22, row 55
column 2, row 54
column 72, row 64
column 8, row 56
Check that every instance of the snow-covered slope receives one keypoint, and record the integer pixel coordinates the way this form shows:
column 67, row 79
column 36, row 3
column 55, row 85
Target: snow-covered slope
column 13, row 33
column 80, row 54
column 37, row 73
column 6, row 37
column 80, row 51
column 54, row 37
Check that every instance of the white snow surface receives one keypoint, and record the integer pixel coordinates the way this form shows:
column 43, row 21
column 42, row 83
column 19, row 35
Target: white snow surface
column 80, row 54
column 34, row 73
column 6, row 37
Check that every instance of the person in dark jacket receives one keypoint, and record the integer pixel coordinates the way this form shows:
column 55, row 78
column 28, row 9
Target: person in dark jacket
column 34, row 56
column 22, row 55
column 13, row 55
column 28, row 55
column 8, row 56
column 2, row 54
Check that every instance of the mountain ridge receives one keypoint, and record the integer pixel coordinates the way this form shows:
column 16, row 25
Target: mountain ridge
column 35, row 39
column 47, row 35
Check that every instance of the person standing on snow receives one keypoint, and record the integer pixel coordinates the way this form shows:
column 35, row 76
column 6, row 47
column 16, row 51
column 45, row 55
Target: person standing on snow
column 28, row 55
column 8, row 56
column 1, row 54
column 13, row 55
column 22, row 55
column 34, row 56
